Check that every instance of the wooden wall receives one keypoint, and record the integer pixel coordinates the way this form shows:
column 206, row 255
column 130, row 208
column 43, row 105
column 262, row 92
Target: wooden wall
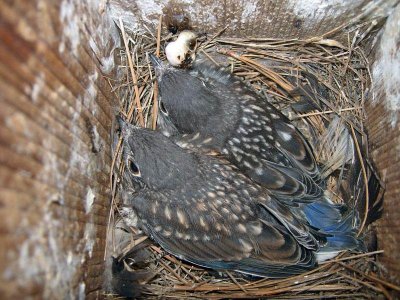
column 56, row 110
column 383, row 124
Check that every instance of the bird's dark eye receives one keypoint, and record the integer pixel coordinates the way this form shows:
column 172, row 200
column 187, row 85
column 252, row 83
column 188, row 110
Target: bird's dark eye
column 162, row 108
column 133, row 168
column 192, row 45
column 179, row 57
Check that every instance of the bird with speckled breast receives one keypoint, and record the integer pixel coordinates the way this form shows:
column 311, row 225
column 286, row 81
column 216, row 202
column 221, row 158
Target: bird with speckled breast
column 210, row 110
column 202, row 209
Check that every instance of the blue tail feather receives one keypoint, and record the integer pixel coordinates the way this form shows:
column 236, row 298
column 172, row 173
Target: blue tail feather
column 341, row 241
column 322, row 214
column 328, row 218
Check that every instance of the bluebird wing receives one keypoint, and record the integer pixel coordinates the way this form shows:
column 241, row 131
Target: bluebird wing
column 287, row 183
column 295, row 147
column 231, row 89
column 261, row 136
column 199, row 233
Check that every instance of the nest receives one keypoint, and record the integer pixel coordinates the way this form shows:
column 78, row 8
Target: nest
column 321, row 70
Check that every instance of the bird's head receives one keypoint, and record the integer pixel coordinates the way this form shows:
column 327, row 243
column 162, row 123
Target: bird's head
column 184, row 99
column 154, row 161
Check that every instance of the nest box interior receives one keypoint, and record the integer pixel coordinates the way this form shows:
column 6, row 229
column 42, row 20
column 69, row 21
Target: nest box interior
column 57, row 104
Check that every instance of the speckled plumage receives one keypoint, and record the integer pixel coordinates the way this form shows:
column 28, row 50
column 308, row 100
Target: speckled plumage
column 209, row 110
column 204, row 210
column 216, row 112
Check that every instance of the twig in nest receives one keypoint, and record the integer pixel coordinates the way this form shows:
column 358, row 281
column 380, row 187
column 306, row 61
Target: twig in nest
column 134, row 78
column 282, row 82
column 365, row 178
column 373, row 278
column 155, row 86
column 209, row 57
column 236, row 282
column 172, row 272
column 352, row 278
column 317, row 113
column 213, row 38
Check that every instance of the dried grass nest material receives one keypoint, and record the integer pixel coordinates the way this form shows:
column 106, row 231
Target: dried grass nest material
column 335, row 75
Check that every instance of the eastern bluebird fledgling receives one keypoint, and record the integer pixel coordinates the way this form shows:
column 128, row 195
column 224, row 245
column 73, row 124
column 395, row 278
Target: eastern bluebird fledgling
column 204, row 210
column 219, row 113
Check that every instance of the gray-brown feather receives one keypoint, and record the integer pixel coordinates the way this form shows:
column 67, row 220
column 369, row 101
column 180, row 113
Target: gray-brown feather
column 207, row 212
column 236, row 122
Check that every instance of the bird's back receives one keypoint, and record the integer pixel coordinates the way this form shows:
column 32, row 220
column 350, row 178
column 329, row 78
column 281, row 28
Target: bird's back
column 217, row 111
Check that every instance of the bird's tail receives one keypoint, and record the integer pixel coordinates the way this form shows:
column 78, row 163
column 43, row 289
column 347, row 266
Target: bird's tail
column 359, row 187
column 335, row 223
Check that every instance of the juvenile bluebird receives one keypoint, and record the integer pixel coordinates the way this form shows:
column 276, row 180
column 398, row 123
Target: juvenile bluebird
column 208, row 109
column 202, row 209
column 217, row 112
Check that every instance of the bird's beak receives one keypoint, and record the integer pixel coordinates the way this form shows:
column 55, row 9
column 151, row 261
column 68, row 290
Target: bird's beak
column 123, row 126
column 155, row 61
column 128, row 129
column 158, row 65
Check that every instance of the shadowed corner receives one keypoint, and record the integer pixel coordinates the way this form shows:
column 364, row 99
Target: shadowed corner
column 128, row 266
